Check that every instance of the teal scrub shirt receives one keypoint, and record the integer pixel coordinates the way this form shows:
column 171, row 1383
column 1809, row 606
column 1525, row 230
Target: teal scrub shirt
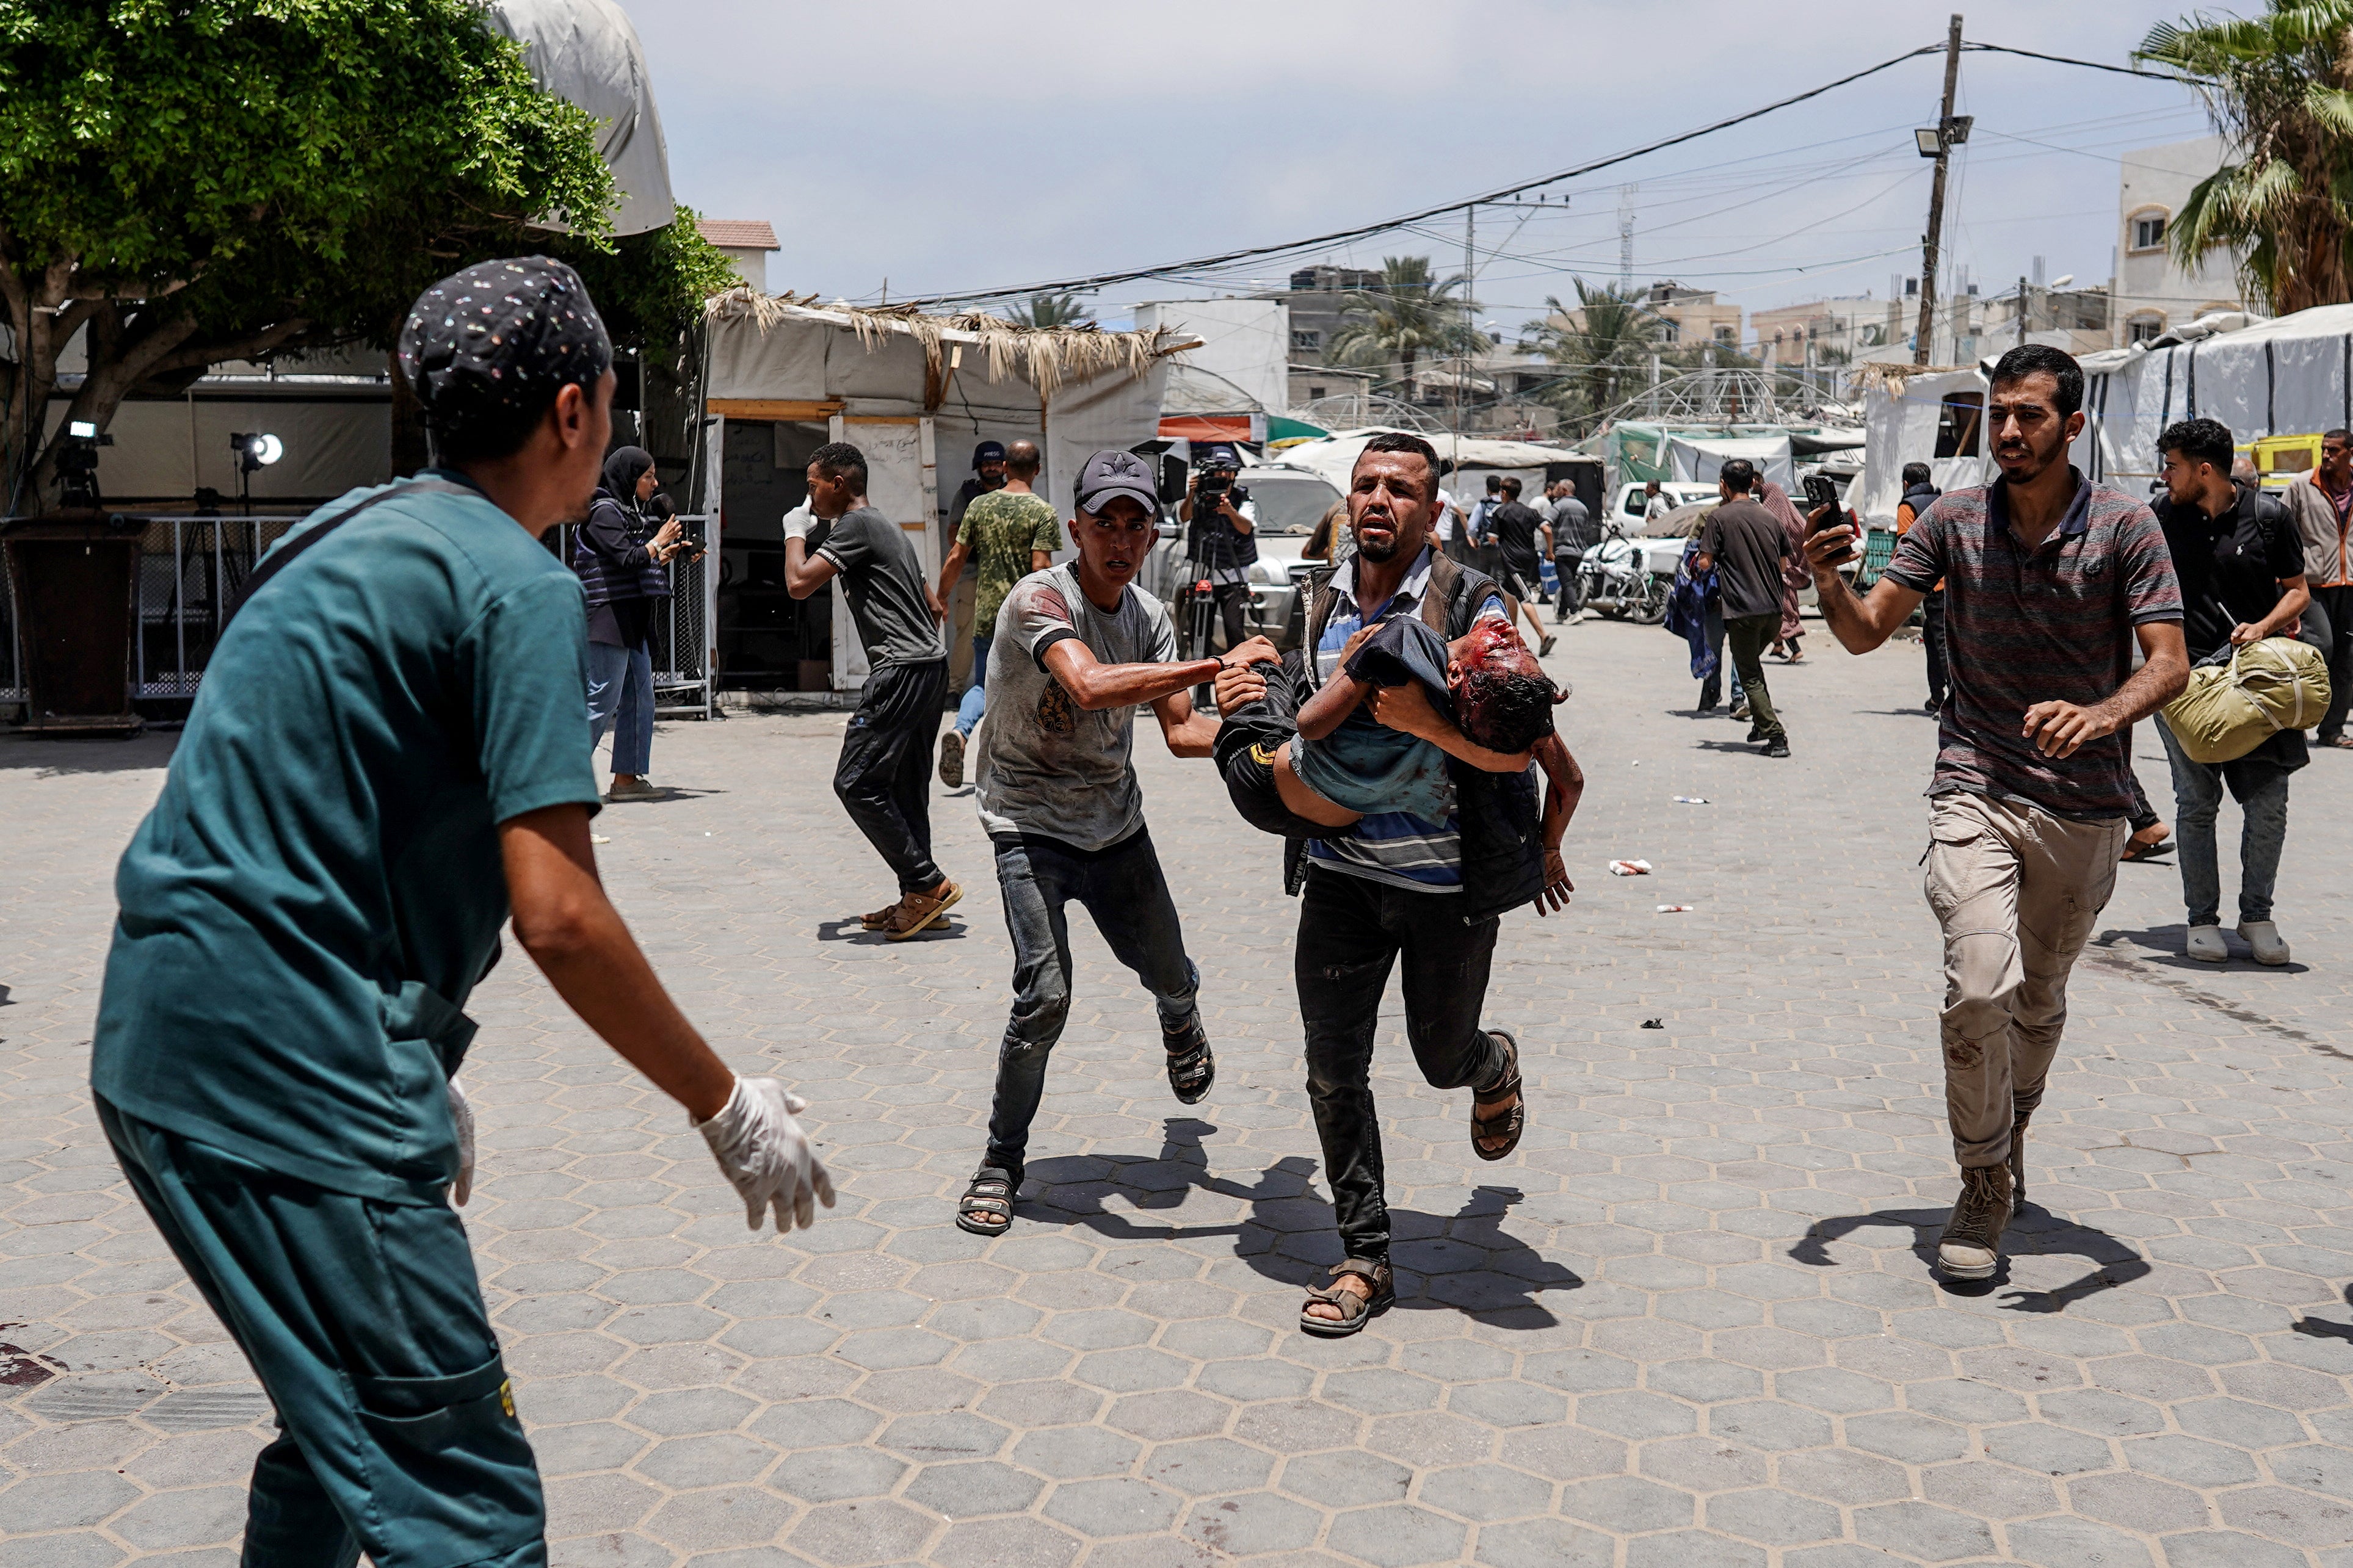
column 319, row 886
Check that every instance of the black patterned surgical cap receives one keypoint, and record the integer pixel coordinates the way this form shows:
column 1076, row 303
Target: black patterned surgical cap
column 487, row 349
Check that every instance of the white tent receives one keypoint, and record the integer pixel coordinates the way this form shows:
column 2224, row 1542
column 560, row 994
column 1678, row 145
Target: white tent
column 2288, row 375
column 586, row 53
column 1900, row 425
column 1696, row 459
column 1334, row 457
column 913, row 393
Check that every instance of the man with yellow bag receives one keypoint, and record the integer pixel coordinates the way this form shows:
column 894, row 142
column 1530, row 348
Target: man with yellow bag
column 2239, row 559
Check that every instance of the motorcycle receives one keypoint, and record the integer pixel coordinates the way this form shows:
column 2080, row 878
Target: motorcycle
column 1619, row 577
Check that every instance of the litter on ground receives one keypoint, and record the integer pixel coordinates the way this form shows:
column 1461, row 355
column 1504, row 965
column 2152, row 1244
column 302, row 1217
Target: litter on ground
column 1674, row 908
column 1629, row 867
column 1691, row 800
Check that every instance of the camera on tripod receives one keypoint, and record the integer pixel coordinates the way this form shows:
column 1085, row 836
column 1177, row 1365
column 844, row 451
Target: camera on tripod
column 1211, row 487
column 78, row 464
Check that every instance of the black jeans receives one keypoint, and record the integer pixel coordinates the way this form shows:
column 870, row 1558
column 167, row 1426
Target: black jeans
column 1123, row 888
column 1570, row 597
column 2330, row 619
column 884, row 776
column 1932, row 637
column 1352, row 931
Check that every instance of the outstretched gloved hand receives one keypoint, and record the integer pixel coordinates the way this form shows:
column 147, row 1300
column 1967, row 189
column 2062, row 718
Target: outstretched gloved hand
column 763, row 1152
column 462, row 1114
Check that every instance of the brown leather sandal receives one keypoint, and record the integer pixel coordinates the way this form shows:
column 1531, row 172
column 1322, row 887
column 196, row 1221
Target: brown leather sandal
column 882, row 917
column 1510, row 1124
column 918, row 910
column 1355, row 1311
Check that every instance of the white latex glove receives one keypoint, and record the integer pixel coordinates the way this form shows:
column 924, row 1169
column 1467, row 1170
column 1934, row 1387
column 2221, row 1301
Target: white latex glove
column 462, row 1114
column 797, row 523
column 763, row 1152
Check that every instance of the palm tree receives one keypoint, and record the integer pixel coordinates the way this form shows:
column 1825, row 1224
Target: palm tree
column 1052, row 310
column 2279, row 87
column 1410, row 313
column 1603, row 347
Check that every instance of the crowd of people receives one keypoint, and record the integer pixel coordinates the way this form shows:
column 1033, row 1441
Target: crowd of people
column 387, row 763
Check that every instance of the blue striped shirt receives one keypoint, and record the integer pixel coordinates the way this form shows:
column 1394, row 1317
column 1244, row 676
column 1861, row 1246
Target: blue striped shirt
column 1393, row 846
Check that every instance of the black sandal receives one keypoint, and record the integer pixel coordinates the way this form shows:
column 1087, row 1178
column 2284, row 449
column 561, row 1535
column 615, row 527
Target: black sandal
column 991, row 1192
column 1509, row 1125
column 1191, row 1067
column 1355, row 1311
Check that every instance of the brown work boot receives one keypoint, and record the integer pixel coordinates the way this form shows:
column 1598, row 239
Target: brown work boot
column 1970, row 1248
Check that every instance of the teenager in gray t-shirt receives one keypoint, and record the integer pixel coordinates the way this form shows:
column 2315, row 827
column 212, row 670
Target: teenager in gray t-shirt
column 884, row 778
column 1077, row 651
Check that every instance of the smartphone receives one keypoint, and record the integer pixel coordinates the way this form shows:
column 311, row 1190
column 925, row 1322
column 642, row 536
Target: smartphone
column 1820, row 493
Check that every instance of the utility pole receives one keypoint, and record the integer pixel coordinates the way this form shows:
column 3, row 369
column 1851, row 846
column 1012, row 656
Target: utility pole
column 1626, row 240
column 1931, row 243
column 1469, row 275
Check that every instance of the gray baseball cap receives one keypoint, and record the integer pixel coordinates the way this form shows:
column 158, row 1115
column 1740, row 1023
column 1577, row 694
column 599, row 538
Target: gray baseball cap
column 1117, row 473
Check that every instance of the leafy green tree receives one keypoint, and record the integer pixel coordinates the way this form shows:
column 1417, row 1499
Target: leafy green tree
column 1052, row 311
column 1603, row 347
column 188, row 182
column 1410, row 313
column 2279, row 87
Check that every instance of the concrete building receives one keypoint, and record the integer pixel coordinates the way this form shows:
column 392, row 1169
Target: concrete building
column 1316, row 303
column 1245, row 343
column 2152, row 292
column 1853, row 326
column 746, row 242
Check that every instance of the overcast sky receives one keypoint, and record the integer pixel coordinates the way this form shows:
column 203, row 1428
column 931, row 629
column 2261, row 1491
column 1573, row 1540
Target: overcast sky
column 941, row 146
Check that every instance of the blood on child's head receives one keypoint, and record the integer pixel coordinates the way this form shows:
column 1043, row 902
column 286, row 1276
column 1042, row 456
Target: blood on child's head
column 1502, row 696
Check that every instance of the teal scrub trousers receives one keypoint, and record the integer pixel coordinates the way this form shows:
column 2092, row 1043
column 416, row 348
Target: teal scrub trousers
column 398, row 1434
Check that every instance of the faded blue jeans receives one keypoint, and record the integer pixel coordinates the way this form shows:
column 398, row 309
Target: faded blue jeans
column 2198, row 792
column 975, row 700
column 621, row 699
column 1123, row 888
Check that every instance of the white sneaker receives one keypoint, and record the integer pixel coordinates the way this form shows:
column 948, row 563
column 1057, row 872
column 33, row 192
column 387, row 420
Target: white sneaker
column 2206, row 945
column 2265, row 938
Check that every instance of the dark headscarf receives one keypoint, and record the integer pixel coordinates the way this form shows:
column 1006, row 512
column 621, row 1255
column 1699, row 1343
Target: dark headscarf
column 622, row 471
column 487, row 349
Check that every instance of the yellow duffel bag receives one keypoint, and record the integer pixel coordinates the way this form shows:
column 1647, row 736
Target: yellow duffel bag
column 2229, row 710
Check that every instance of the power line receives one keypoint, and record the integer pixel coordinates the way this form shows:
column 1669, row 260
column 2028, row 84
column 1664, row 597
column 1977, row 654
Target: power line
column 1103, row 280
column 2087, row 65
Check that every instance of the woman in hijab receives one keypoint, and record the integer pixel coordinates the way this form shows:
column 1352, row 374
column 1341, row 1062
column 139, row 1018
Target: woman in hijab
column 620, row 553
column 1794, row 576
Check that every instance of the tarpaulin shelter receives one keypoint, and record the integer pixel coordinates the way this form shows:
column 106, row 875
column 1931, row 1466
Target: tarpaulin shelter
column 586, row 53
column 1334, row 458
column 1695, row 460
column 1925, row 414
column 915, row 393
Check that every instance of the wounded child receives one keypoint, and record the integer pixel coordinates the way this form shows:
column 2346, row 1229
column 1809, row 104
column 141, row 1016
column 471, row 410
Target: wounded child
column 1482, row 698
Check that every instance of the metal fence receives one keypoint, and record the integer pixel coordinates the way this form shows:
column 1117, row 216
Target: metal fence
column 191, row 569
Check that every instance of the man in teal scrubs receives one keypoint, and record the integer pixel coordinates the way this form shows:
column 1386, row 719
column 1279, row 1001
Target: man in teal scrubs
column 386, row 757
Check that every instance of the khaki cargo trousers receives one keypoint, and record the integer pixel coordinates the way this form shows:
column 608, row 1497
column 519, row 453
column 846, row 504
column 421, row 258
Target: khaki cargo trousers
column 2016, row 889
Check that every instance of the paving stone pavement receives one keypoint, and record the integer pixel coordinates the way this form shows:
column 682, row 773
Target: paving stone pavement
column 1690, row 1323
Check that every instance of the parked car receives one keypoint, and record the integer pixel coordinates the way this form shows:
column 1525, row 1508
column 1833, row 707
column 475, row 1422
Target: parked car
column 1290, row 502
column 1628, row 512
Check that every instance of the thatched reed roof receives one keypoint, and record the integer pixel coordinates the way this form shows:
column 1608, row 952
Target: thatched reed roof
column 1046, row 357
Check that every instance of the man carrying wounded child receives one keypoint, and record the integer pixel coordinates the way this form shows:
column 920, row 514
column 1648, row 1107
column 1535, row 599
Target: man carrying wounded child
column 1394, row 755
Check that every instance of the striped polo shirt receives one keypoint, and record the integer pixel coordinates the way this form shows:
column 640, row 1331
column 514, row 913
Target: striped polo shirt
column 1393, row 846
column 2054, row 624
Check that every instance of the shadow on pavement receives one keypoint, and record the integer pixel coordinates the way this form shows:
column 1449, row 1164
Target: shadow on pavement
column 2317, row 1328
column 2035, row 1232
column 2169, row 945
column 947, row 929
column 1464, row 1261
column 62, row 759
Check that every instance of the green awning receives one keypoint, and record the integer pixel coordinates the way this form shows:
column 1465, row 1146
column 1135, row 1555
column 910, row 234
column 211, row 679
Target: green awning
column 1280, row 430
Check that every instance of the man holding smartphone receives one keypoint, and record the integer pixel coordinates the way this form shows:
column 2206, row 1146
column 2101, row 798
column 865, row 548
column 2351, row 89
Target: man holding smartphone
column 2049, row 578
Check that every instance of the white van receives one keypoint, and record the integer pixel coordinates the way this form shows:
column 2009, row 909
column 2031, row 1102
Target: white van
column 1627, row 513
